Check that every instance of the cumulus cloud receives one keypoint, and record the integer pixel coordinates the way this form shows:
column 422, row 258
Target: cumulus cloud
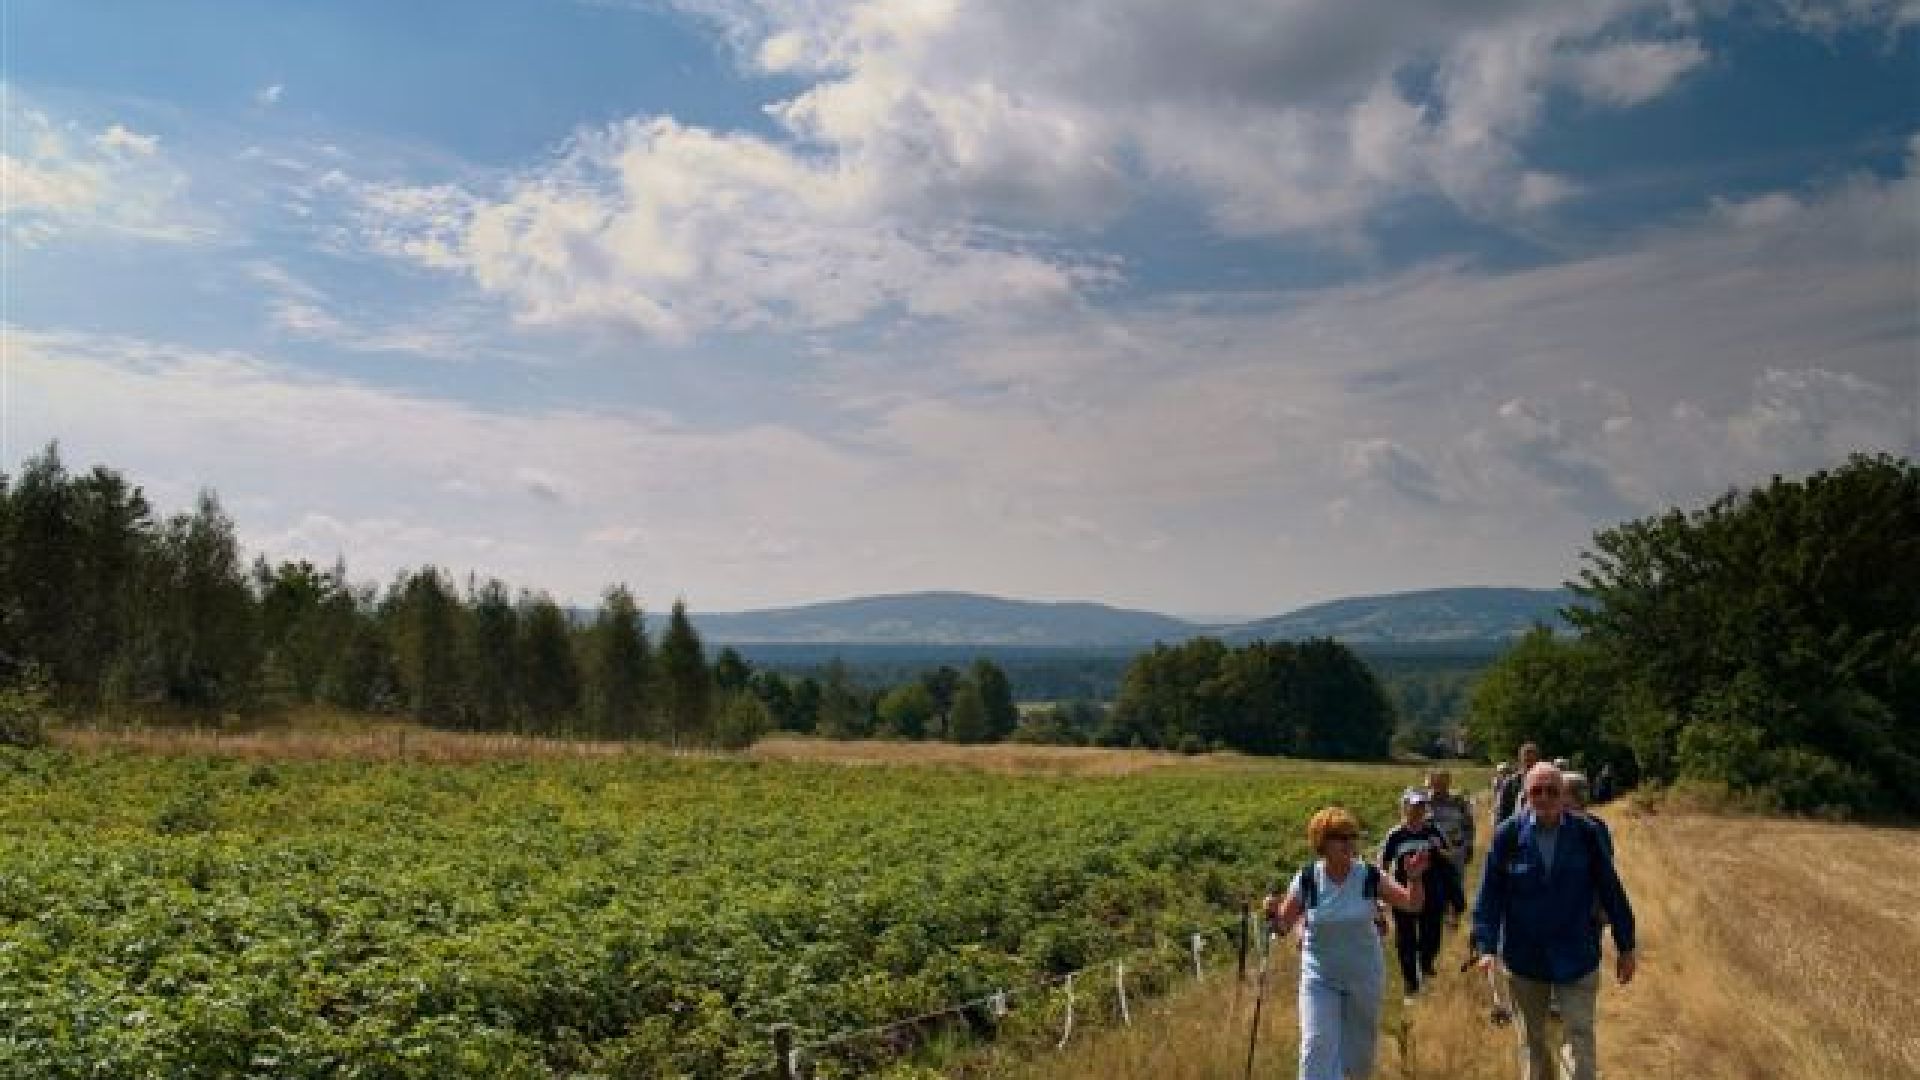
column 1281, row 118
column 676, row 230
column 936, row 152
column 1447, row 424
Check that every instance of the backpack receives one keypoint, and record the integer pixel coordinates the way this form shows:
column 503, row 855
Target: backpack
column 1308, row 885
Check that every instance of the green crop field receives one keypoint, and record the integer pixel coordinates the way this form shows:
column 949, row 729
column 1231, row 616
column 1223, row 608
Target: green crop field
column 631, row 916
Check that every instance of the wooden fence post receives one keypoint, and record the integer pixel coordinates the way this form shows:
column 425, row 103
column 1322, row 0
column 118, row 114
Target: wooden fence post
column 783, row 1051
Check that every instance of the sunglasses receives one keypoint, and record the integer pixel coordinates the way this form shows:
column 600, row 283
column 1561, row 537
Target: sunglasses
column 1554, row 790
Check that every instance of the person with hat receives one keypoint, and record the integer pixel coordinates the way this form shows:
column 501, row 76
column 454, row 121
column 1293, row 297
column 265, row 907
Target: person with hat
column 1416, row 932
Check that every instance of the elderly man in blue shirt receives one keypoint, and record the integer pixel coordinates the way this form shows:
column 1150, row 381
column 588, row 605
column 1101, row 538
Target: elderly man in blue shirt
column 1544, row 874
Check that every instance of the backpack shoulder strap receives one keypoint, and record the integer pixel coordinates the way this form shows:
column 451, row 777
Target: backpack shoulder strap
column 1308, row 888
column 1596, row 851
column 1370, row 885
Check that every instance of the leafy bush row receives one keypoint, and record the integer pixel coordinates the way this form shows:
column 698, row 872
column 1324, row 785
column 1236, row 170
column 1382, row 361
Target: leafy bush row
column 638, row 917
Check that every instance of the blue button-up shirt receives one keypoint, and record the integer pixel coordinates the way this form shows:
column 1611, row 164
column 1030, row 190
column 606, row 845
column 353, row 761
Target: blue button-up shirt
column 1540, row 919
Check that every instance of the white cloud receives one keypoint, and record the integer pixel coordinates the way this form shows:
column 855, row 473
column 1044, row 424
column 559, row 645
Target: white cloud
column 1386, row 463
column 119, row 140
column 303, row 312
column 318, row 467
column 1633, row 72
column 268, row 96
column 1446, row 424
column 1294, row 117
column 937, row 151
column 675, row 230
column 1834, row 16
column 1813, row 417
column 60, row 179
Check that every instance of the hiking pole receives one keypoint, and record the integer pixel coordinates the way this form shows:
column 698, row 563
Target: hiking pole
column 1502, row 1013
column 1259, row 998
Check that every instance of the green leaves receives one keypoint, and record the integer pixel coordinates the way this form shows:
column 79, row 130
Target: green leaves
column 1767, row 641
column 637, row 916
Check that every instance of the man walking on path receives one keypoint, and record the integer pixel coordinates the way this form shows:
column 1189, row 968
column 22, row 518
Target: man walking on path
column 1453, row 815
column 1544, row 872
column 1507, row 801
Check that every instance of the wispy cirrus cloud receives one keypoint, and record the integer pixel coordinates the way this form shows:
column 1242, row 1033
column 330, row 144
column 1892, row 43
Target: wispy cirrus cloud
column 63, row 179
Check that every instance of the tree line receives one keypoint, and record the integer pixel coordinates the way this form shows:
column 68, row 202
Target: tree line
column 108, row 608
column 1767, row 644
column 1312, row 698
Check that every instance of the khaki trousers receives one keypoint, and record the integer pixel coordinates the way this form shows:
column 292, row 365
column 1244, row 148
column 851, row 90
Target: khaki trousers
column 1578, row 1057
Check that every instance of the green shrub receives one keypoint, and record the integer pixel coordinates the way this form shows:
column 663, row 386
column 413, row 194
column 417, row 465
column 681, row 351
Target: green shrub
column 26, row 707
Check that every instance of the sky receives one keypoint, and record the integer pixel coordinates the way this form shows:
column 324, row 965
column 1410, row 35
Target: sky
column 1215, row 308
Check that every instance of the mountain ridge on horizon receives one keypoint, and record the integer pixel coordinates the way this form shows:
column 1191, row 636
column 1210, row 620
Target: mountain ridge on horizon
column 1468, row 613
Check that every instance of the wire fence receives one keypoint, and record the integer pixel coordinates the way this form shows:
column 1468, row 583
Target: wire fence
column 794, row 1058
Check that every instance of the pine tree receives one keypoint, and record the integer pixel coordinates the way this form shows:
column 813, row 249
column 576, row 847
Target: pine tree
column 731, row 673
column 208, row 645
column 843, row 708
column 685, row 686
column 550, row 683
column 493, row 658
column 996, row 697
column 968, row 722
column 622, row 668
column 425, row 620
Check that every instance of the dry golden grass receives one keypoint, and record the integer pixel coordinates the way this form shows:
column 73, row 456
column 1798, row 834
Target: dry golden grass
column 1770, row 950
column 332, row 736
column 1055, row 760
column 1002, row 757
column 1784, row 949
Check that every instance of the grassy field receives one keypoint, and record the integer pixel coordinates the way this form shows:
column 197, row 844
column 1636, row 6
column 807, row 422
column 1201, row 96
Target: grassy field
column 1771, row 950
column 322, row 898
column 377, row 900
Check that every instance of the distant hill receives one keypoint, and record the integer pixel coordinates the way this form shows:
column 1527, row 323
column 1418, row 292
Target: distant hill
column 1432, row 615
column 947, row 618
column 969, row 619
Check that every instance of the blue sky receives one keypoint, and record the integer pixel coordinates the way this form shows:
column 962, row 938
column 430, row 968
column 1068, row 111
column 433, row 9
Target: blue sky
column 1214, row 308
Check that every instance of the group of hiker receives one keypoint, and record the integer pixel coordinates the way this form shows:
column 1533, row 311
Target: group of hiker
column 1547, row 889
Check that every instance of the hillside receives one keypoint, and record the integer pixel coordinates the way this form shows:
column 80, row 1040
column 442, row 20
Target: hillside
column 947, row 618
column 1477, row 614
column 968, row 619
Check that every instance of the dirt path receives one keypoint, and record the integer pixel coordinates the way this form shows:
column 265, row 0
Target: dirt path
column 1770, row 950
